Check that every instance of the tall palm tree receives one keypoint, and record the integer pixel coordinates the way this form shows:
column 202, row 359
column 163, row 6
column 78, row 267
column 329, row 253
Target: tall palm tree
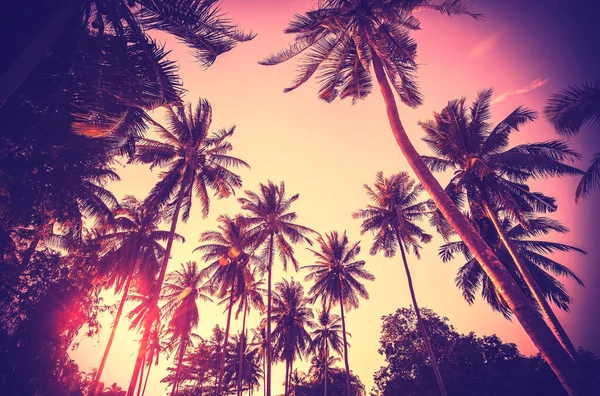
column 342, row 39
column 320, row 368
column 134, row 251
column 292, row 316
column 249, row 378
column 533, row 252
column 259, row 341
column 391, row 217
column 272, row 226
column 337, row 274
column 230, row 250
column 181, row 292
column 325, row 336
column 200, row 25
column 494, row 178
column 197, row 161
column 568, row 111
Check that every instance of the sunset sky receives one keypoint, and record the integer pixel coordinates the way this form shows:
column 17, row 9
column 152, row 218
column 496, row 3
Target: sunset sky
column 526, row 50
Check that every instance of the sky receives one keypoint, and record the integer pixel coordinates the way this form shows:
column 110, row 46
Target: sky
column 526, row 50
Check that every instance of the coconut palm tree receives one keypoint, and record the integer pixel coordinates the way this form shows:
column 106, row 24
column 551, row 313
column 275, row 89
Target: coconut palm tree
column 341, row 40
column 568, row 111
column 200, row 25
column 325, row 336
column 134, row 254
column 181, row 292
column 391, row 218
column 494, row 177
column 197, row 161
column 533, row 252
column 259, row 342
column 337, row 274
column 320, row 368
column 230, row 250
column 271, row 225
column 249, row 378
column 292, row 316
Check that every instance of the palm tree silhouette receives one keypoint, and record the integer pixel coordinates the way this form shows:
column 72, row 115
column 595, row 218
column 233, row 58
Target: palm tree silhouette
column 325, row 336
column 568, row 111
column 337, row 276
column 341, row 40
column 391, row 218
column 197, row 161
column 271, row 225
column 134, row 252
column 494, row 178
column 229, row 250
column 292, row 316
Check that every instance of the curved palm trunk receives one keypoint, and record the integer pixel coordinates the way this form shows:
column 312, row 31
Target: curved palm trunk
column 153, row 314
column 547, row 312
column 224, row 343
column 557, row 358
column 114, row 330
column 434, row 365
column 146, row 381
column 141, row 379
column 26, row 63
column 241, row 352
column 345, row 349
column 269, row 346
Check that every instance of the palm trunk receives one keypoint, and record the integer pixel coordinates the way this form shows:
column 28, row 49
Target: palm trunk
column 547, row 312
column 153, row 314
column 432, row 358
column 287, row 376
column 141, row 379
column 265, row 375
column 289, row 384
column 27, row 61
column 557, row 358
column 224, row 343
column 146, row 381
column 269, row 347
column 326, row 367
column 114, row 329
column 241, row 352
column 345, row 349
column 178, row 369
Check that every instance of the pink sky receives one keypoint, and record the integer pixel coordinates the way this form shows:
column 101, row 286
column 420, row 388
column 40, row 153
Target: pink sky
column 326, row 152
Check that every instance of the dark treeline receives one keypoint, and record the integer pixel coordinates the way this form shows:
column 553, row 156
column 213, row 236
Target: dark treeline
column 79, row 81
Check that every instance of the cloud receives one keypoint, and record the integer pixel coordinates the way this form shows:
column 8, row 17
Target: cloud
column 535, row 84
column 485, row 45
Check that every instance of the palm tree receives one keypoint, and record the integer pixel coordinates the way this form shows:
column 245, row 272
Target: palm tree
column 197, row 161
column 320, row 368
column 259, row 341
column 533, row 252
column 181, row 292
column 342, row 39
column 248, row 358
column 337, row 276
column 568, row 111
column 198, row 24
column 272, row 226
column 229, row 250
column 494, row 178
column 291, row 315
column 326, row 335
column 391, row 217
column 134, row 252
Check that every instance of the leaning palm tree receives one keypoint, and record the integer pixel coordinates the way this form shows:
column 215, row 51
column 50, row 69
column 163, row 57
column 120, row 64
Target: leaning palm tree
column 271, row 225
column 571, row 109
column 342, row 39
column 292, row 316
column 337, row 276
column 134, row 251
column 229, row 250
column 391, row 217
column 325, row 336
column 197, row 161
column 533, row 252
column 494, row 178
column 181, row 292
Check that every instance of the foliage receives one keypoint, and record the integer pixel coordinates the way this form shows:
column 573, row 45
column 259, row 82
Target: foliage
column 306, row 385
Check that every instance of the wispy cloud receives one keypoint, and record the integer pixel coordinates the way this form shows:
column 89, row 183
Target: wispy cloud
column 535, row 84
column 485, row 45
